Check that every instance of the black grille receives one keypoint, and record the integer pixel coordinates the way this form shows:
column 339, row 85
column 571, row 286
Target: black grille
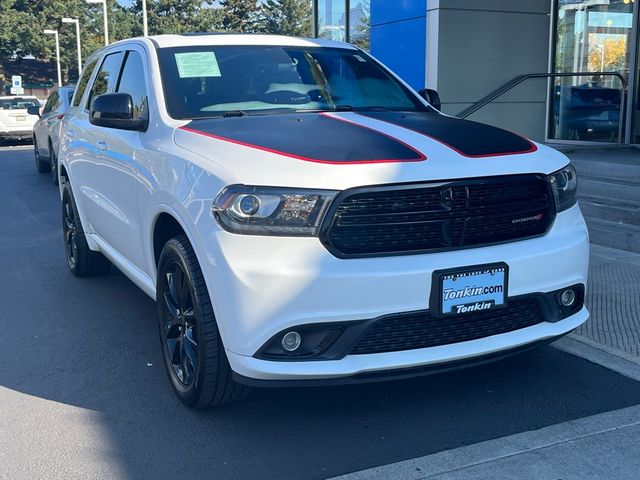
column 446, row 216
column 420, row 330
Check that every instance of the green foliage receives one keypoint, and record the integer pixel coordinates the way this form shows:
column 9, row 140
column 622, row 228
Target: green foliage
column 239, row 15
column 22, row 23
column 177, row 16
column 285, row 17
column 13, row 24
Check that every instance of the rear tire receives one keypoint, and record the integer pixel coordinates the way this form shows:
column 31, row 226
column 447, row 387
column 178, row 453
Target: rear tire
column 193, row 353
column 53, row 165
column 82, row 261
column 42, row 167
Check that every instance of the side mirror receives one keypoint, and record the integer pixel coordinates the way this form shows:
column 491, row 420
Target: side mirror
column 115, row 110
column 33, row 110
column 432, row 97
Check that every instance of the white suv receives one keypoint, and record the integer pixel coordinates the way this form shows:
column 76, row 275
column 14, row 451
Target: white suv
column 16, row 122
column 301, row 216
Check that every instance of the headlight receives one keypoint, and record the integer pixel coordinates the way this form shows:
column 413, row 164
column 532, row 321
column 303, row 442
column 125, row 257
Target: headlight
column 271, row 211
column 565, row 184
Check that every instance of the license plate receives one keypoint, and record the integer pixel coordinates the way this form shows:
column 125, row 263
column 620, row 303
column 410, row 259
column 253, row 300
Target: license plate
column 467, row 290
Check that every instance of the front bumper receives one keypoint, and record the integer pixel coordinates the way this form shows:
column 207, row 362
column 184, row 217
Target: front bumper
column 395, row 373
column 23, row 131
column 263, row 285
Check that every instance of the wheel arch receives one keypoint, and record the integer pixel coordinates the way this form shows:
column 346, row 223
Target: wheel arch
column 167, row 224
column 165, row 227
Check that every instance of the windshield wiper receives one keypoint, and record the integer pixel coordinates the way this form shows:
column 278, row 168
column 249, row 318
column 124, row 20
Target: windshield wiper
column 234, row 113
column 337, row 108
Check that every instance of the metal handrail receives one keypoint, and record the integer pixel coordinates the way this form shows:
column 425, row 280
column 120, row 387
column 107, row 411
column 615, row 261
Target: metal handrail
column 521, row 78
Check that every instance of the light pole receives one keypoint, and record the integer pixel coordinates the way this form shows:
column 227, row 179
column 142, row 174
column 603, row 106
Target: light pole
column 77, row 22
column 601, row 47
column 106, row 23
column 55, row 32
column 145, row 30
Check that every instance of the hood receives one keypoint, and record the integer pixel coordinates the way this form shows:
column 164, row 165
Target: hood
column 342, row 150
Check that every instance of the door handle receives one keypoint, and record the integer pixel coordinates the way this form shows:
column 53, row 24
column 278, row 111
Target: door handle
column 101, row 145
column 70, row 133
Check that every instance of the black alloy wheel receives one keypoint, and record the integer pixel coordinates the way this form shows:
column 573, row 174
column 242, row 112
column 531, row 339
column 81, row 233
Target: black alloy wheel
column 179, row 330
column 82, row 261
column 194, row 357
column 69, row 231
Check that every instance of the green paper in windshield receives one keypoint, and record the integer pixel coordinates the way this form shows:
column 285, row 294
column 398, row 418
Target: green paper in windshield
column 197, row 64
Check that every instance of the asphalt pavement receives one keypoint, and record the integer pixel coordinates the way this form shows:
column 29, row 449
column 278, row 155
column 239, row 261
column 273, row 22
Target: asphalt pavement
column 83, row 393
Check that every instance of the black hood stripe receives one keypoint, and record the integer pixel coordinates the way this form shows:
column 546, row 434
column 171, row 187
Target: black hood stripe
column 467, row 138
column 311, row 137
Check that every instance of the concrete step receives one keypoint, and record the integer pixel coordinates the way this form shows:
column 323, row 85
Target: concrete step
column 610, row 209
column 614, row 189
column 614, row 235
column 607, row 170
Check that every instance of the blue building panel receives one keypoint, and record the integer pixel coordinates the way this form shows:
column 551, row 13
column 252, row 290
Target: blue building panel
column 398, row 38
column 386, row 11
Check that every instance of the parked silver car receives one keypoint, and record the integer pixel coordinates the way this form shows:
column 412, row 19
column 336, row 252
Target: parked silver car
column 46, row 131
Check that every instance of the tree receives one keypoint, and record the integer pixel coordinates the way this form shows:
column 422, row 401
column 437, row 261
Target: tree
column 239, row 15
column 13, row 23
column 177, row 16
column 608, row 55
column 285, row 17
column 22, row 23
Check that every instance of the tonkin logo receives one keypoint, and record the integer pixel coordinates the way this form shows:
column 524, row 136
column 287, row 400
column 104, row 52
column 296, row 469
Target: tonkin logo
column 527, row 219
column 474, row 307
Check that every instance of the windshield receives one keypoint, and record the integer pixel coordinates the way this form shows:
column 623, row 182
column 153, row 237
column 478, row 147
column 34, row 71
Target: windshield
column 236, row 80
column 18, row 103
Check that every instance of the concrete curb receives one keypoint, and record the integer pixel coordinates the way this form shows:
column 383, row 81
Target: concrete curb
column 459, row 459
column 616, row 360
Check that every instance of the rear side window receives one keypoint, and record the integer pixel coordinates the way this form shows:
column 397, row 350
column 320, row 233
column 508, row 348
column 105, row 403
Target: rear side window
column 52, row 102
column 132, row 81
column 84, row 80
column 106, row 78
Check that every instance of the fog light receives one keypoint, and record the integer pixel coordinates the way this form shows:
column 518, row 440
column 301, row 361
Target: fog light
column 291, row 341
column 568, row 298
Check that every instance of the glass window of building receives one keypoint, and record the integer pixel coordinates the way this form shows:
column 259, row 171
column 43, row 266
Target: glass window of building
column 344, row 21
column 332, row 20
column 360, row 23
column 591, row 36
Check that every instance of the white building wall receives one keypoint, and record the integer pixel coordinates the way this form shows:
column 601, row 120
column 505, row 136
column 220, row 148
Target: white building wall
column 475, row 46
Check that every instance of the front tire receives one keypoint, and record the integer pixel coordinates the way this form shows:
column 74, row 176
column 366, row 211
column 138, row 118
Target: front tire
column 193, row 353
column 42, row 167
column 82, row 261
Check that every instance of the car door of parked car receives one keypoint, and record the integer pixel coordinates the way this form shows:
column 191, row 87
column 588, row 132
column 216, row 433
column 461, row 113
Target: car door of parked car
column 43, row 125
column 60, row 111
column 103, row 173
